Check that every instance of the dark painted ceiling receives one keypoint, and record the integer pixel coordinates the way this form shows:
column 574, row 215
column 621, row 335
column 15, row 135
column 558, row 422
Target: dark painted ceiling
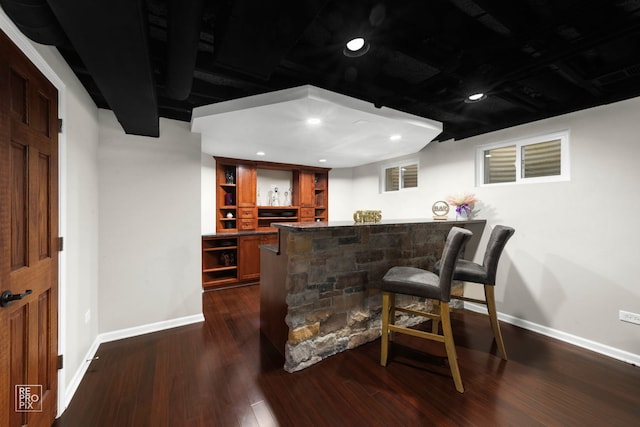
column 533, row 58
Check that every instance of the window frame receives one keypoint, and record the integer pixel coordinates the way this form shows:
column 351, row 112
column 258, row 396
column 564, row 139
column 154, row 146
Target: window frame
column 563, row 136
column 399, row 165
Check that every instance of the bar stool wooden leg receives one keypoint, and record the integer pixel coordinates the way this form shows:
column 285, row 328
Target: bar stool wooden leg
column 489, row 295
column 450, row 345
column 435, row 323
column 386, row 308
column 392, row 315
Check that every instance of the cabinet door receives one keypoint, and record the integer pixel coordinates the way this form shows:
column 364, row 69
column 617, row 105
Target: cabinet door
column 246, row 185
column 306, row 186
column 249, row 257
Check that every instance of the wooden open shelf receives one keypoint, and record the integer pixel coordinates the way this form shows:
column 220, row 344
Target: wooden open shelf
column 219, row 260
column 270, row 214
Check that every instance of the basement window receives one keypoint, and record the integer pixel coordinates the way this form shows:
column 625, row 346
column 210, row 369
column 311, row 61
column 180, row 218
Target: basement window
column 400, row 176
column 543, row 158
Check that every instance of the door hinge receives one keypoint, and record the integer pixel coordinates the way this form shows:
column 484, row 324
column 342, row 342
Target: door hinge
column 60, row 244
column 60, row 361
column 59, row 125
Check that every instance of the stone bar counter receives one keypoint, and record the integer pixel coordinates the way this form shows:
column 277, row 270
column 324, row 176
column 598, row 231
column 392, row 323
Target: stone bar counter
column 318, row 284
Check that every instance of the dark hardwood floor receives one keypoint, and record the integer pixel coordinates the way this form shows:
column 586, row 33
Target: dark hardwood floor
column 220, row 373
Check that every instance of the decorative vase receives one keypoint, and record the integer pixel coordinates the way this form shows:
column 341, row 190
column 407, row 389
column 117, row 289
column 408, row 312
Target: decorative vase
column 462, row 214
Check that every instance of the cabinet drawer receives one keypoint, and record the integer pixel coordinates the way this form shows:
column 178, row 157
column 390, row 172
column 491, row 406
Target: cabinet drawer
column 270, row 238
column 247, row 224
column 307, row 212
column 246, row 213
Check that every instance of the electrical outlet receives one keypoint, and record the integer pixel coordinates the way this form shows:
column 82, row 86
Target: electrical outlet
column 87, row 316
column 627, row 316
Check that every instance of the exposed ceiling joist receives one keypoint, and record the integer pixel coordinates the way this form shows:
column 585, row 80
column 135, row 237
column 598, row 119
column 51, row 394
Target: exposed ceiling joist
column 111, row 37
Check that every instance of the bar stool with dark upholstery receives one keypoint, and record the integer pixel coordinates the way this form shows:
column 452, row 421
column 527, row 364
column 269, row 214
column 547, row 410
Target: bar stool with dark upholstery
column 484, row 274
column 422, row 283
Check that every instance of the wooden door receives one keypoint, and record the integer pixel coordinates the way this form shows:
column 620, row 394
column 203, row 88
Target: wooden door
column 28, row 241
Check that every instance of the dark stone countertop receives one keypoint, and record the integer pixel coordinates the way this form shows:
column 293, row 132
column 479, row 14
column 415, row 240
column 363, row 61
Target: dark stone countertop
column 313, row 226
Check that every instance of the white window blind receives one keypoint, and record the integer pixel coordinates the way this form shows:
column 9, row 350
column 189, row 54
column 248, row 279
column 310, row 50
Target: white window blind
column 539, row 159
column 542, row 159
column 401, row 176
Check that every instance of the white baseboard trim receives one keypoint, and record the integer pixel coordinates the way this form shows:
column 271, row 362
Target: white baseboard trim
column 151, row 327
column 116, row 335
column 75, row 381
column 603, row 349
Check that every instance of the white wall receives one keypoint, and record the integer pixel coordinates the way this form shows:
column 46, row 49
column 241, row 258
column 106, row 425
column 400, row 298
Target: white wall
column 341, row 205
column 573, row 262
column 267, row 180
column 149, row 233
column 79, row 208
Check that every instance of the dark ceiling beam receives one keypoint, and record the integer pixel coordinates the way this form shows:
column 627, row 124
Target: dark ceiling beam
column 259, row 34
column 451, row 115
column 565, row 71
column 35, row 20
column 183, row 26
column 214, row 92
column 206, row 71
column 478, row 13
column 111, row 39
column 512, row 96
column 224, row 78
column 172, row 104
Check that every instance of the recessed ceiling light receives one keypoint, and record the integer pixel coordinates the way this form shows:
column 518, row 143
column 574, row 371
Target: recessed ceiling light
column 313, row 121
column 395, row 137
column 356, row 47
column 355, row 44
column 476, row 97
column 322, row 160
column 260, row 153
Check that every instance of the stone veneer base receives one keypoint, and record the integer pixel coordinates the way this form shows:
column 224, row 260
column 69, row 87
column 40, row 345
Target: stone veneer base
column 331, row 277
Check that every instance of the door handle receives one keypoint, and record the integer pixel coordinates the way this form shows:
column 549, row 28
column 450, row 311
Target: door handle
column 7, row 297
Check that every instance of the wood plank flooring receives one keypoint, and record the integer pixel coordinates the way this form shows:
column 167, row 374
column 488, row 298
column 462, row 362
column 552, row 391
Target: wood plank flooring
column 221, row 373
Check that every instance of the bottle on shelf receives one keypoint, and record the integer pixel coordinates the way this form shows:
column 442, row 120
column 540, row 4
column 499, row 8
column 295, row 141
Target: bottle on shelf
column 287, row 198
